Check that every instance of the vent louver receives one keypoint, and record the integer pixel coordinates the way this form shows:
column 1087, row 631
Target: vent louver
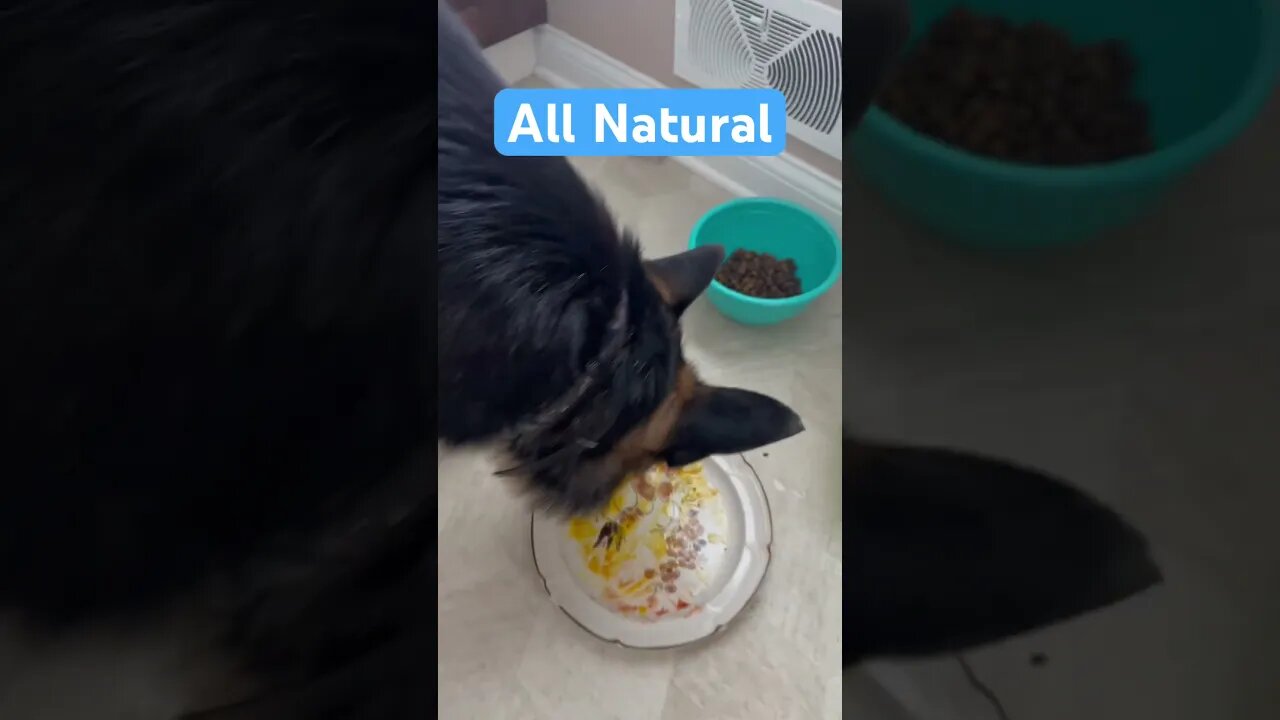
column 793, row 46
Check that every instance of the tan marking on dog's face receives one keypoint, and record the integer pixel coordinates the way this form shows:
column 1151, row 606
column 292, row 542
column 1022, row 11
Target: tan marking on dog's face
column 643, row 446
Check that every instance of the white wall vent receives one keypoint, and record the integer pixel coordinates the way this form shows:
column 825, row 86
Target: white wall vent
column 793, row 46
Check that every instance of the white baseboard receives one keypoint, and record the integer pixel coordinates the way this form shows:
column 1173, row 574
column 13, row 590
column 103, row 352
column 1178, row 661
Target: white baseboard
column 514, row 58
column 565, row 61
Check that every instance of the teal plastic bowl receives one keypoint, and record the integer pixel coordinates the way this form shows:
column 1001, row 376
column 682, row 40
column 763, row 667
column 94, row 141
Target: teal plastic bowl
column 1204, row 69
column 782, row 229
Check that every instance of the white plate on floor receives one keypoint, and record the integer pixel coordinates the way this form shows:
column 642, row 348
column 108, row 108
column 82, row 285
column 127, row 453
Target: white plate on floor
column 705, row 547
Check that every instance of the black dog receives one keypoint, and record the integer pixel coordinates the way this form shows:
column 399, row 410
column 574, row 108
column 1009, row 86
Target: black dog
column 215, row 288
column 549, row 318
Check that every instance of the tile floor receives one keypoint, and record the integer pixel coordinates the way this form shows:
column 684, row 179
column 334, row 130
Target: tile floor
column 506, row 653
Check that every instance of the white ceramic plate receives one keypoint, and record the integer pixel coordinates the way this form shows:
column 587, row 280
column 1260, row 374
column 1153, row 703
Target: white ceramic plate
column 716, row 521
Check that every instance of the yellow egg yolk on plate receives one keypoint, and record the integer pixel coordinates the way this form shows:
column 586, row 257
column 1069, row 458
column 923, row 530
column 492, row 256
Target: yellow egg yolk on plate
column 645, row 549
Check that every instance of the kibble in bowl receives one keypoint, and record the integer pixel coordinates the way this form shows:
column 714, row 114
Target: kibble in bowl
column 1024, row 93
column 1201, row 70
column 760, row 275
column 781, row 257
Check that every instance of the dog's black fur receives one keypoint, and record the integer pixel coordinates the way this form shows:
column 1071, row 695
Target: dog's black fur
column 215, row 289
column 216, row 282
column 950, row 550
column 561, row 342
column 215, row 292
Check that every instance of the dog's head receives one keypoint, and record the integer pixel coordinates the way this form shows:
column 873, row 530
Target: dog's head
column 641, row 402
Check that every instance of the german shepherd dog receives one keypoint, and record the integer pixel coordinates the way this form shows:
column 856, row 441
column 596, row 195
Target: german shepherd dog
column 215, row 289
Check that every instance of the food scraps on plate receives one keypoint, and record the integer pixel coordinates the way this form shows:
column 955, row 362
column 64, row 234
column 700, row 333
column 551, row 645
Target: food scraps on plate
column 648, row 553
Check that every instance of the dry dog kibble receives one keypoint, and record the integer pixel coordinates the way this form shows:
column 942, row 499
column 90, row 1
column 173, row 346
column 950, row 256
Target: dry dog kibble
column 760, row 275
column 1020, row 93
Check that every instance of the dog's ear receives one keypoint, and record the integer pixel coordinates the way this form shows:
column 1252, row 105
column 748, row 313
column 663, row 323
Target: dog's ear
column 681, row 278
column 951, row 550
column 727, row 420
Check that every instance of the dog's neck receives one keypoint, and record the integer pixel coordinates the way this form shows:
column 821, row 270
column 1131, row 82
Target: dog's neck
column 575, row 421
